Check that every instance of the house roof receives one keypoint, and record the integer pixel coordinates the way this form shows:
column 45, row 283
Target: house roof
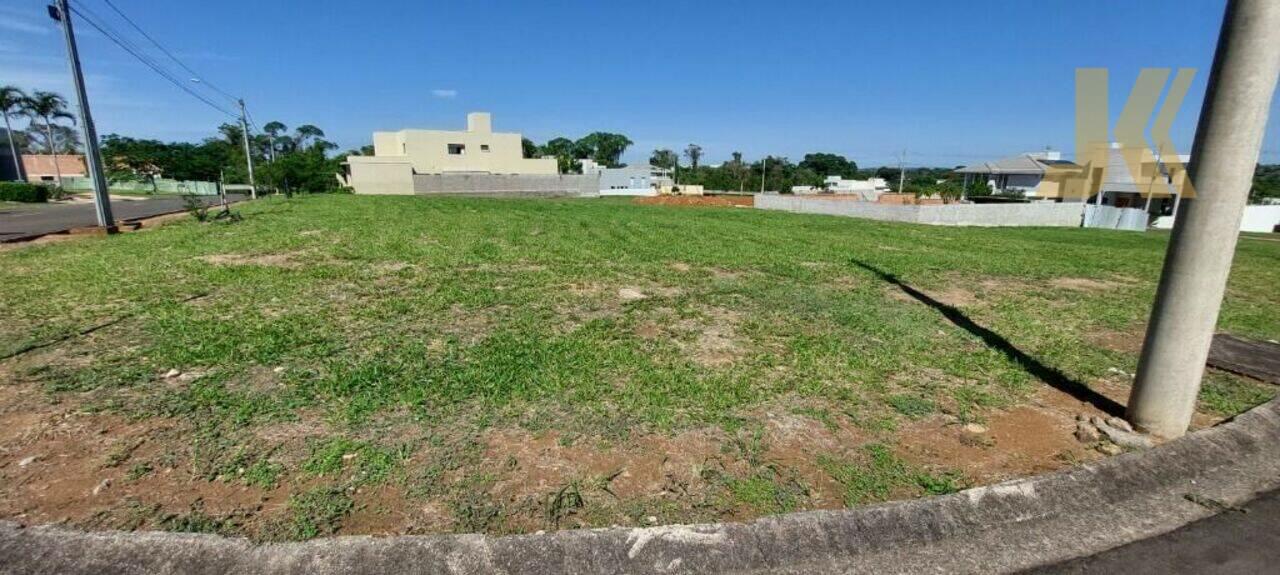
column 1019, row 164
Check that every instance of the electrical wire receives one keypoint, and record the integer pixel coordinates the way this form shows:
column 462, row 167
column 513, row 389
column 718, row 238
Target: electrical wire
column 166, row 51
column 136, row 53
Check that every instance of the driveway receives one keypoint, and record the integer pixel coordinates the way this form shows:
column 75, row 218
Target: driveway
column 24, row 220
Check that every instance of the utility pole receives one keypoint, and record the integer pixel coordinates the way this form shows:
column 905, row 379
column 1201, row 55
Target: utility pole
column 93, row 156
column 1223, row 157
column 248, row 155
column 764, row 169
column 902, row 173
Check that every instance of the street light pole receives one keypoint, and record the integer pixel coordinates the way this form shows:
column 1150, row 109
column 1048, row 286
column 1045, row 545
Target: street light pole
column 248, row 155
column 93, row 156
column 1223, row 158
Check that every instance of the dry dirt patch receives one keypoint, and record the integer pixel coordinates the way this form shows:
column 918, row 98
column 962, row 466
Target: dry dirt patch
column 285, row 260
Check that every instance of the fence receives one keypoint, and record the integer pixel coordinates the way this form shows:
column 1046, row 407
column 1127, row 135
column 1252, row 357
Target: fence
column 507, row 184
column 1113, row 218
column 78, row 184
column 1034, row 214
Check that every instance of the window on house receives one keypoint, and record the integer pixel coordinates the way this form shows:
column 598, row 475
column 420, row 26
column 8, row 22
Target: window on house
column 484, row 147
column 457, row 149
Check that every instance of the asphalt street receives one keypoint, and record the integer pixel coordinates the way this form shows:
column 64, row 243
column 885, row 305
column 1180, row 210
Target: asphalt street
column 22, row 220
column 1231, row 542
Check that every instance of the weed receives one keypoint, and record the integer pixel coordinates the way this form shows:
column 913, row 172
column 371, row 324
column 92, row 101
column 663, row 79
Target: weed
column 878, row 473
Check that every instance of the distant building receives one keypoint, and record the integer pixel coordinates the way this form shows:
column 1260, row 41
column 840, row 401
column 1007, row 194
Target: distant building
column 41, row 168
column 9, row 171
column 1023, row 174
column 399, row 156
column 637, row 180
column 1104, row 177
column 869, row 189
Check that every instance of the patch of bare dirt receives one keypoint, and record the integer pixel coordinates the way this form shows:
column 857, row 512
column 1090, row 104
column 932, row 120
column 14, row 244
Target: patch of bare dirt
column 284, row 260
column 1085, row 284
column 1020, row 441
column 1129, row 341
column 60, row 465
column 953, row 296
column 716, row 341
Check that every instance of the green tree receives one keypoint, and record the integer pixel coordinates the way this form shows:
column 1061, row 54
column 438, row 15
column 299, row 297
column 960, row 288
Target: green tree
column 567, row 153
column 128, row 159
column 274, row 131
column 829, row 165
column 604, row 147
column 694, row 153
column 12, row 105
column 529, row 148
column 306, row 133
column 664, row 158
column 49, row 108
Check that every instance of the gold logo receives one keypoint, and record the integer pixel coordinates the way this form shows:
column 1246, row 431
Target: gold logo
column 1156, row 170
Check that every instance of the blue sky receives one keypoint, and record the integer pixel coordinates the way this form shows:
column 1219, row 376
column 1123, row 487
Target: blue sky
column 951, row 82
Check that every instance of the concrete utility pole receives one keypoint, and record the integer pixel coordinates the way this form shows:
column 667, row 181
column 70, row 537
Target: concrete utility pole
column 1223, row 157
column 93, row 157
column 902, row 171
column 764, row 169
column 248, row 155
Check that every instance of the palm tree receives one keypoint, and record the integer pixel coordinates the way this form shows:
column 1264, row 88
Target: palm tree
column 12, row 104
column 49, row 107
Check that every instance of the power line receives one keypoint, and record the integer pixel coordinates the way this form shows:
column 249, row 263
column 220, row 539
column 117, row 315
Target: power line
column 136, row 53
column 175, row 59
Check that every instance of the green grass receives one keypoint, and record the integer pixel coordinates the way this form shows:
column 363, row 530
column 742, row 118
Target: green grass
column 403, row 325
column 879, row 472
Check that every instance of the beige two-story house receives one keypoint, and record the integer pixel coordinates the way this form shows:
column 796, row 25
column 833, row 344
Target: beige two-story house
column 398, row 156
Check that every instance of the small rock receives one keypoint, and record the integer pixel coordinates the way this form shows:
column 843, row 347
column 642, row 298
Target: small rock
column 28, row 461
column 975, row 428
column 1110, row 449
column 172, row 374
column 1124, row 438
column 102, row 486
column 348, row 456
column 1119, row 423
column 278, row 369
column 651, row 520
column 631, row 294
column 1086, row 432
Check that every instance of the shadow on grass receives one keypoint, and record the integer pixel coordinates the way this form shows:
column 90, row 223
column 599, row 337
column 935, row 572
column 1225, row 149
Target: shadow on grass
column 993, row 340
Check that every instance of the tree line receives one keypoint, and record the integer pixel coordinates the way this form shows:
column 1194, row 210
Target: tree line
column 604, row 148
column 297, row 160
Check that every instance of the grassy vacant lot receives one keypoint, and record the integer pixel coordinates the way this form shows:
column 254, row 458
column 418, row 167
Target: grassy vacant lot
column 398, row 364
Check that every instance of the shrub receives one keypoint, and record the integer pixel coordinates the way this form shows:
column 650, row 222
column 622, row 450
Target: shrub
column 23, row 192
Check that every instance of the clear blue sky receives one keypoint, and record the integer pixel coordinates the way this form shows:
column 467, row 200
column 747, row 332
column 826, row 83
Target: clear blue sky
column 952, row 82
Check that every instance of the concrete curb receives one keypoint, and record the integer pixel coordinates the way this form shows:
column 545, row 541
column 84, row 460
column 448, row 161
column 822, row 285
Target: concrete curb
column 999, row 528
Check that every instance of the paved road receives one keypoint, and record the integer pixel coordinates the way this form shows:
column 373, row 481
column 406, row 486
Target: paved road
column 1228, row 543
column 35, row 219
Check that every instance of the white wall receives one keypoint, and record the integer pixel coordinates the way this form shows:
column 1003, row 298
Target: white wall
column 1256, row 219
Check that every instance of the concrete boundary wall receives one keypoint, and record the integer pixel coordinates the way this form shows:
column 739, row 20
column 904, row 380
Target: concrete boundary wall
column 507, row 184
column 1000, row 528
column 1034, row 214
